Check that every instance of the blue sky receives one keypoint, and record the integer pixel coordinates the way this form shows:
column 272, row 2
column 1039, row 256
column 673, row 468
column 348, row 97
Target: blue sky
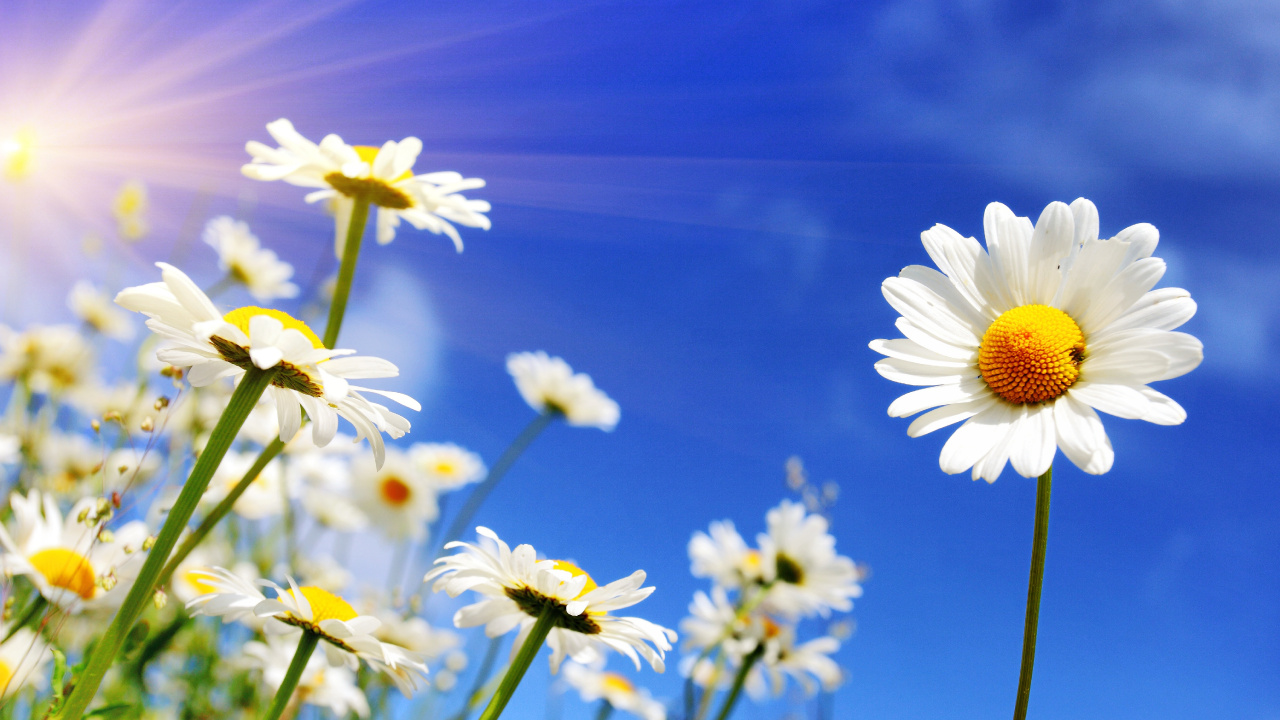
column 695, row 203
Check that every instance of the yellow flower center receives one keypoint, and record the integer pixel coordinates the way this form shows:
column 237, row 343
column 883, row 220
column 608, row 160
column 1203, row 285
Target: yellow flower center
column 395, row 491
column 369, row 153
column 576, row 571
column 65, row 569
column 325, row 605
column 617, row 683
column 200, row 582
column 6, row 677
column 240, row 317
column 377, row 191
column 444, row 467
column 1031, row 354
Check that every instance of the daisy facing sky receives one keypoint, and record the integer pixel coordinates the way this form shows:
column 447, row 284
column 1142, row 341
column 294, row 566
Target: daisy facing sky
column 1026, row 340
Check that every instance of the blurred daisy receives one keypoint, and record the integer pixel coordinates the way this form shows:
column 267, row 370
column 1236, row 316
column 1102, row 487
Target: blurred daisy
column 75, row 564
column 321, row 685
column 799, row 562
column 723, row 556
column 806, row 662
column 322, row 477
column 130, row 209
column 397, row 498
column 264, row 497
column 517, row 588
column 617, row 690
column 244, row 260
column 347, row 635
column 310, row 377
column 49, row 359
column 447, row 466
column 383, row 175
column 24, row 661
column 95, row 309
column 548, row 384
column 1027, row 339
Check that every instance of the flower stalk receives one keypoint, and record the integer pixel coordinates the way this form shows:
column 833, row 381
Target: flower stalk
column 306, row 646
column 1039, row 544
column 520, row 663
column 739, row 680
column 243, row 400
column 347, row 271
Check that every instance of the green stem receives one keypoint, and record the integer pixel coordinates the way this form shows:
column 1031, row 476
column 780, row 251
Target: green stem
column 347, row 271
column 500, row 468
column 738, row 680
column 709, row 692
column 242, row 401
column 220, row 510
column 35, row 608
column 1039, row 544
column 306, row 646
column 520, row 663
column 606, row 709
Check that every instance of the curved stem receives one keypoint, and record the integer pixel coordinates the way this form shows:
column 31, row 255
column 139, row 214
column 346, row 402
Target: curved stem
column 741, row 678
column 1039, row 544
column 520, row 663
column 347, row 271
column 306, row 646
column 242, row 401
column 220, row 510
column 500, row 468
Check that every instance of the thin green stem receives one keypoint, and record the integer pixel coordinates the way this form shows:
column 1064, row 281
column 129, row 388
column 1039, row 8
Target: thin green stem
column 37, row 606
column 738, row 680
column 500, row 468
column 606, row 709
column 242, row 401
column 306, row 646
column 709, row 692
column 1039, row 544
column 520, row 663
column 220, row 510
column 347, row 271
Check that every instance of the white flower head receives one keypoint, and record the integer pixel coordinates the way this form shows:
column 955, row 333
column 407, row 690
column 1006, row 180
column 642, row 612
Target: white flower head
column 242, row 257
column 593, row 684
column 95, row 309
column 447, row 466
column 397, row 498
column 1027, row 339
column 799, row 561
column 50, row 359
column 309, row 376
column 383, row 175
column 723, row 556
column 321, row 684
column 517, row 588
column 548, row 384
column 804, row 662
column 347, row 635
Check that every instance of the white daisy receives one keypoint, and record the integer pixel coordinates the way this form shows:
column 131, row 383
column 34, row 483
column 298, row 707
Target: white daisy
column 782, row 657
column 617, row 690
column 49, row 359
column 347, row 635
column 397, row 498
column 241, row 256
column 799, row 563
column 95, row 309
column 723, row 556
column 323, row 477
column 383, row 175
column 447, row 466
column 310, row 377
column 74, row 563
column 548, row 384
column 1027, row 339
column 24, row 661
column 518, row 587
column 321, row 684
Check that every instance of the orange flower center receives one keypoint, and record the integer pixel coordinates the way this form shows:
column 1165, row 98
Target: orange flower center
column 395, row 491
column 1031, row 354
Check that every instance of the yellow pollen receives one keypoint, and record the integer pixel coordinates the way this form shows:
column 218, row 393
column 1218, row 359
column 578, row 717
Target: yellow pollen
column 6, row 677
column 445, row 468
column 240, row 317
column 395, row 491
column 368, row 153
column 617, row 683
column 65, row 569
column 1031, row 354
column 771, row 628
column 575, row 571
column 325, row 605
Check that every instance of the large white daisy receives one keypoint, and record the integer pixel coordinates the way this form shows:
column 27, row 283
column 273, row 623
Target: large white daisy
column 310, row 377
column 517, row 588
column 1027, row 339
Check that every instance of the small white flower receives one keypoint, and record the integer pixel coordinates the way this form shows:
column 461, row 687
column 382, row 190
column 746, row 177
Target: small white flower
column 241, row 256
column 617, row 690
column 517, row 588
column 723, row 556
column 50, row 359
column 96, row 310
column 798, row 557
column 548, row 384
column 804, row 662
column 397, row 498
column 321, row 684
column 447, row 466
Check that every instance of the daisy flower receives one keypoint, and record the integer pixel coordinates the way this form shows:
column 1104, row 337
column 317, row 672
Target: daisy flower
column 241, row 256
column 24, row 661
column 347, row 635
column 321, row 684
column 397, row 499
column 1027, row 339
column 517, row 588
column 799, row 563
column 50, row 359
column 95, row 309
column 74, row 563
column 447, row 466
column 382, row 175
column 805, row 662
column 309, row 377
column 593, row 684
column 548, row 384
column 723, row 556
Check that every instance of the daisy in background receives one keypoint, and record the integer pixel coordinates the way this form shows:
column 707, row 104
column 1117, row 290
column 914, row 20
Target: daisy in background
column 94, row 308
column 397, row 497
column 782, row 658
column 50, row 359
column 723, row 556
column 549, row 385
column 24, row 661
column 321, row 685
column 447, row 466
column 593, row 683
column 347, row 635
column 241, row 256
column 265, row 495
column 1025, row 340
column 76, row 563
column 800, row 567
column 384, row 176
column 309, row 377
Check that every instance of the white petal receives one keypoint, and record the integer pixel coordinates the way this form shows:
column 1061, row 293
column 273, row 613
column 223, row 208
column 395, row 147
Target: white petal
column 975, row 439
column 1034, row 443
column 1161, row 309
column 913, row 351
column 909, row 373
column 1009, row 245
column 1120, row 400
column 925, row 309
column 1050, row 245
column 1162, row 410
column 1081, row 436
column 948, row 415
column 918, row 400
